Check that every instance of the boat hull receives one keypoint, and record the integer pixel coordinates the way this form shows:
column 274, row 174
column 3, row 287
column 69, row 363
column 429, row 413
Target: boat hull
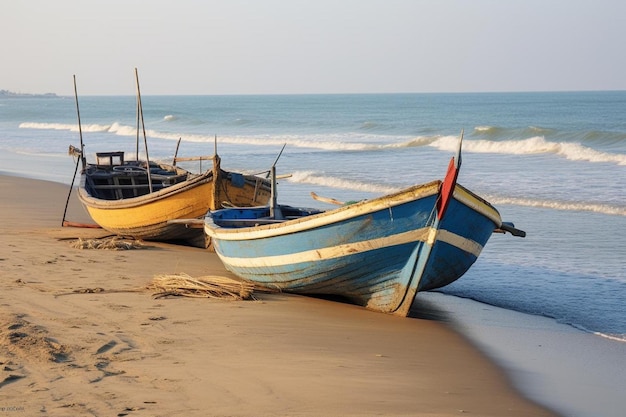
column 152, row 216
column 377, row 253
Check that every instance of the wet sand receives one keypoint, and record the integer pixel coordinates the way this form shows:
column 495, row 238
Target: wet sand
column 80, row 334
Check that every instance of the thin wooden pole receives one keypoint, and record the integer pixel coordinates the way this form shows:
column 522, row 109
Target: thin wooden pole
column 137, row 139
column 67, row 202
column 276, row 160
column 80, row 129
column 216, row 160
column 275, row 211
column 273, row 192
column 81, row 156
column 143, row 126
column 176, row 152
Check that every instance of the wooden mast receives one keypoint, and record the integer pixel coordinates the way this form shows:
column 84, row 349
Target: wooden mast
column 143, row 126
column 81, row 156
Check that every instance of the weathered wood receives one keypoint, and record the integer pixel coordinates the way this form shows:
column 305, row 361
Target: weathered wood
column 67, row 223
column 193, row 158
column 143, row 126
column 326, row 199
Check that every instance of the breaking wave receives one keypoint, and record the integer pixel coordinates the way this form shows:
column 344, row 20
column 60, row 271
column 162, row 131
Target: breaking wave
column 61, row 126
column 559, row 205
column 314, row 178
column 360, row 142
column 339, row 142
column 530, row 146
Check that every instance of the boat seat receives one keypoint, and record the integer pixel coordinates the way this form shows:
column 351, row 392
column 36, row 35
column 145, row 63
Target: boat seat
column 247, row 222
column 109, row 159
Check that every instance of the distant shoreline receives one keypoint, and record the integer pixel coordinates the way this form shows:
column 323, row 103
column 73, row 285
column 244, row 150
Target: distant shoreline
column 11, row 94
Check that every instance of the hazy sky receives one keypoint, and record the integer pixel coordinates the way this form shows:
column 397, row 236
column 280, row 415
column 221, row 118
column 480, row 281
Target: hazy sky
column 311, row 46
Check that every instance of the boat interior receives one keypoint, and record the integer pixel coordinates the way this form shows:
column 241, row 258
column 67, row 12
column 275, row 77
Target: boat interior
column 113, row 178
column 237, row 217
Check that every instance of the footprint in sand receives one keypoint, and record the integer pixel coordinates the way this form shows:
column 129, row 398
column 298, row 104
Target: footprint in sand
column 22, row 338
column 10, row 378
column 106, row 347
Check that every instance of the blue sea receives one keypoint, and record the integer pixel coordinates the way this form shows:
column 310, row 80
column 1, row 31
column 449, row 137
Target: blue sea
column 552, row 163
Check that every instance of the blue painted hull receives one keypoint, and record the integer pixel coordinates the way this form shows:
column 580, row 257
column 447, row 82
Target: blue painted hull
column 377, row 253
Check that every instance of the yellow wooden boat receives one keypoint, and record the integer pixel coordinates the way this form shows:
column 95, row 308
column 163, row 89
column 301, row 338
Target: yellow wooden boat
column 156, row 201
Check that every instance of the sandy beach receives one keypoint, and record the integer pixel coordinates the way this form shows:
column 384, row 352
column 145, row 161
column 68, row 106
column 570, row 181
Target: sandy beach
column 81, row 334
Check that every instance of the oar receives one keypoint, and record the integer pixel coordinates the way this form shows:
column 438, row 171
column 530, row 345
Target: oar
column 330, row 200
column 327, row 199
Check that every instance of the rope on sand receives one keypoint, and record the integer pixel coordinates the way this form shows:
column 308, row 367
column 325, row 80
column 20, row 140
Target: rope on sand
column 210, row 286
column 108, row 243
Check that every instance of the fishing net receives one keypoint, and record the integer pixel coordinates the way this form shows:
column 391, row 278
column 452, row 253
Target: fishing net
column 108, row 243
column 210, row 286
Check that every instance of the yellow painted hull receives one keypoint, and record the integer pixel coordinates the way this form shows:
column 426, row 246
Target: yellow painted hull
column 150, row 216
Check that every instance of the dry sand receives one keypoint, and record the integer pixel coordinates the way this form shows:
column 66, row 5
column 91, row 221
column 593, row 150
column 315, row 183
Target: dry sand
column 81, row 335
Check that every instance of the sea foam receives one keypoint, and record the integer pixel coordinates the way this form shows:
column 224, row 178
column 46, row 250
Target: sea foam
column 315, row 178
column 63, row 126
column 354, row 142
column 558, row 205
column 530, row 146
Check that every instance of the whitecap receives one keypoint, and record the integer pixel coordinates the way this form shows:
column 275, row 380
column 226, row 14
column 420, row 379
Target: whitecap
column 314, row 178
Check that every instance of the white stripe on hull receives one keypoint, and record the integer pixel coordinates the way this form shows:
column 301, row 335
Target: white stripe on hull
column 419, row 235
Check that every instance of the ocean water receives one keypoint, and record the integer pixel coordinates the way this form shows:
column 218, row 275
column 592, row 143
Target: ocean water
column 552, row 163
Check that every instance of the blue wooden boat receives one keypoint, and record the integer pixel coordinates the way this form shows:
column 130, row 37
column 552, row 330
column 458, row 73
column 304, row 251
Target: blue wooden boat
column 377, row 253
